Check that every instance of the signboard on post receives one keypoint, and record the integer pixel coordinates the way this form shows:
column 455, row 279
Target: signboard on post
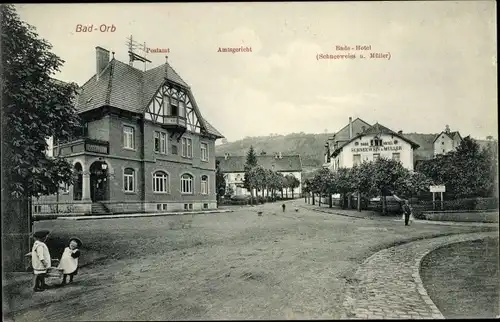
column 437, row 188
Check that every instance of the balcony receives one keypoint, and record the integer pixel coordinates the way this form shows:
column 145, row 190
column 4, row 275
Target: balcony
column 81, row 145
column 174, row 122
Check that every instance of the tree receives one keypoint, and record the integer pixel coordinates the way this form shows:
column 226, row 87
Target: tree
column 387, row 176
column 321, row 182
column 466, row 172
column 35, row 107
column 360, row 178
column 251, row 162
column 343, row 183
column 414, row 183
column 220, row 181
column 293, row 183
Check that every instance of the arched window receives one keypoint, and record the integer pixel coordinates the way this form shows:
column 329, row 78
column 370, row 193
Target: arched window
column 204, row 185
column 128, row 180
column 160, row 182
column 186, row 183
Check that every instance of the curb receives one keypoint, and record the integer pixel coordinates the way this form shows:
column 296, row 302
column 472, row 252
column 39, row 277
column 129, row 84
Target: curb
column 420, row 285
column 144, row 215
column 334, row 213
column 349, row 301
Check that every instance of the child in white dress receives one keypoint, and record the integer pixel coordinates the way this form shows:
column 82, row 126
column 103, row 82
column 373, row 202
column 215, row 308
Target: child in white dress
column 69, row 259
column 40, row 260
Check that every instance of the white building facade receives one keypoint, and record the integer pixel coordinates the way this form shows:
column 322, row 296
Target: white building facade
column 446, row 142
column 374, row 143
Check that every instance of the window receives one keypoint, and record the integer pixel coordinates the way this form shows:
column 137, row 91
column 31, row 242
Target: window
column 376, row 156
column 165, row 206
column 356, row 159
column 204, row 185
column 161, row 142
column 128, row 180
column 442, row 143
column 186, row 183
column 190, row 206
column 396, row 157
column 182, row 109
column 38, row 209
column 204, row 152
column 160, row 182
column 187, row 147
column 128, row 137
column 174, row 109
column 158, row 206
column 205, row 206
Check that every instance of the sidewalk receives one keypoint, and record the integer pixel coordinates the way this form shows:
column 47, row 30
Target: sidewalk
column 363, row 214
column 376, row 294
column 372, row 215
column 155, row 214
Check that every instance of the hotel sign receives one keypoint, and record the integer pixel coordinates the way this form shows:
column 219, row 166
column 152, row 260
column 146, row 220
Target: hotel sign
column 377, row 149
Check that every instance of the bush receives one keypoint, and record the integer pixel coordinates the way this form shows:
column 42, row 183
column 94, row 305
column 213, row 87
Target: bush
column 458, row 204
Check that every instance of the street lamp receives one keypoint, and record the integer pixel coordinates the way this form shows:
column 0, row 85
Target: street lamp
column 104, row 166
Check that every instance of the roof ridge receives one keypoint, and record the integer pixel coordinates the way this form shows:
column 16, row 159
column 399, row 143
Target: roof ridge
column 111, row 65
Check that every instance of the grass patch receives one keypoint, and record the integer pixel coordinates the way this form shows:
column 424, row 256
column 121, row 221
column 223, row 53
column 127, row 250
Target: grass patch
column 462, row 279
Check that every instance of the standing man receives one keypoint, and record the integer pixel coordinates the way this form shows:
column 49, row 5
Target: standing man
column 407, row 211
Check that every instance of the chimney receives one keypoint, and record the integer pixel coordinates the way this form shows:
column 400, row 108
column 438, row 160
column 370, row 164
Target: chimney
column 350, row 128
column 280, row 156
column 400, row 132
column 102, row 59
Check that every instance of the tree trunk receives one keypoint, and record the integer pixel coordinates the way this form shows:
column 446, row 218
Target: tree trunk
column 313, row 199
column 349, row 201
column 319, row 203
column 330, row 204
column 286, row 191
column 281, row 193
column 359, row 201
column 292, row 192
column 384, row 202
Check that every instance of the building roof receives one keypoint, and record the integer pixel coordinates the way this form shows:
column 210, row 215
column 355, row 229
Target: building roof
column 375, row 129
column 452, row 135
column 357, row 127
column 426, row 142
column 287, row 163
column 125, row 87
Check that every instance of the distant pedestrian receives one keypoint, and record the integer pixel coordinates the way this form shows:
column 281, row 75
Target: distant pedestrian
column 283, row 206
column 69, row 259
column 40, row 260
column 407, row 212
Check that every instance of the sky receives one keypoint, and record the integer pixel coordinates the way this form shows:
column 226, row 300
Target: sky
column 442, row 67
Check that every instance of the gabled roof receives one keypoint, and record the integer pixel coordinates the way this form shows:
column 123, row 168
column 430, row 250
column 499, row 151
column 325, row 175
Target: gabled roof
column 357, row 127
column 374, row 130
column 452, row 135
column 287, row 163
column 125, row 87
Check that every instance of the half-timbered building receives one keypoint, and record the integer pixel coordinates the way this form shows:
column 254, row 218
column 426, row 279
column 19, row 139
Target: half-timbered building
column 144, row 147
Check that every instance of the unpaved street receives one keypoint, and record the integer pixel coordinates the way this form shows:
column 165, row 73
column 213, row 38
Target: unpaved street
column 217, row 266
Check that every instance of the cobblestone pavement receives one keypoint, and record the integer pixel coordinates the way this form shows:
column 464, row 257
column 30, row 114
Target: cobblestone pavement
column 388, row 286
